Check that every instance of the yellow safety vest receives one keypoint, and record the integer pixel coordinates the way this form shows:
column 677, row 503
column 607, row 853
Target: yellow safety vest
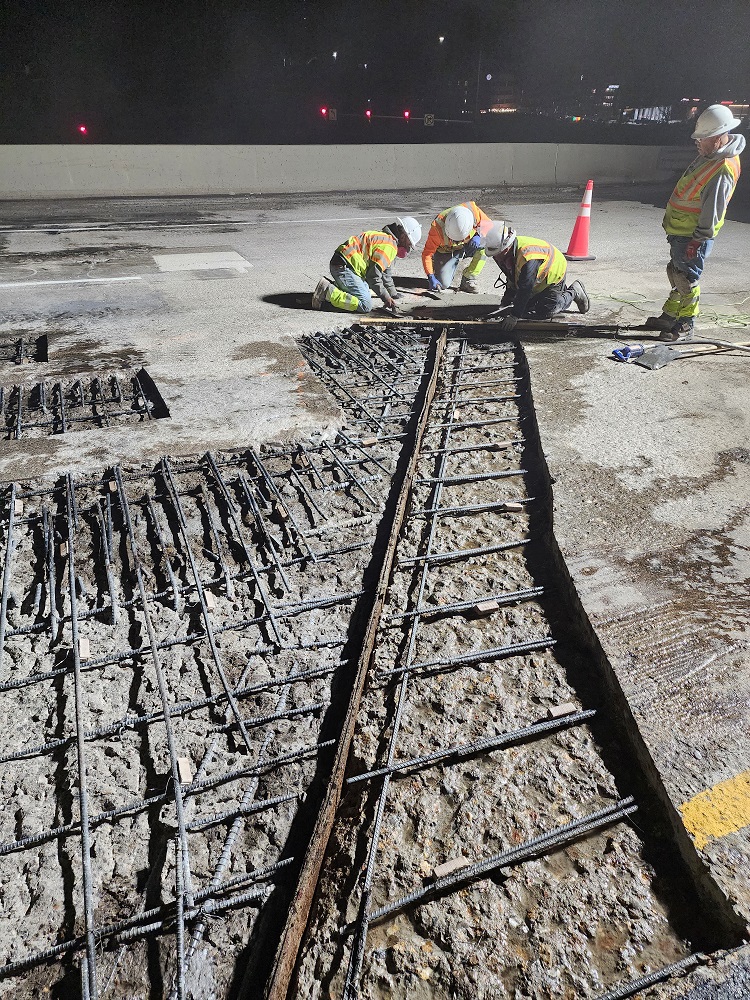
column 553, row 266
column 370, row 247
column 685, row 203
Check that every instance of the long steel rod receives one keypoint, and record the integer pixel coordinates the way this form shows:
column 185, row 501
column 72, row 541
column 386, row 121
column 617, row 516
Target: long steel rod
column 356, row 956
column 9, row 547
column 83, row 804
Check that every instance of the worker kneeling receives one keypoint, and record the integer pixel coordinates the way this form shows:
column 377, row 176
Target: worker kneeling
column 534, row 277
column 453, row 237
column 363, row 264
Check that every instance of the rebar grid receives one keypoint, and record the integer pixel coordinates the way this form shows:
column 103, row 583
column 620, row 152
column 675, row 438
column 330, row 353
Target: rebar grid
column 444, row 487
column 56, row 407
column 190, row 555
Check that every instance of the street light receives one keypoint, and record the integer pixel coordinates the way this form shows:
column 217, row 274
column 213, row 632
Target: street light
column 441, row 38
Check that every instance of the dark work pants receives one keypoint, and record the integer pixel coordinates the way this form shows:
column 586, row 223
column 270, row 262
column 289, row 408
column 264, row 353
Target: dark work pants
column 553, row 300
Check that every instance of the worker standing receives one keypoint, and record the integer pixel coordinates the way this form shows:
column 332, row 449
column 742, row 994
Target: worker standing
column 535, row 274
column 362, row 265
column 695, row 214
column 453, row 236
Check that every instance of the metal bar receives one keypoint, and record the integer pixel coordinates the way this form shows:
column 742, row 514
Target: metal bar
column 139, row 391
column 219, row 547
column 475, row 478
column 105, row 528
column 61, row 405
column 49, row 547
column 9, row 547
column 356, row 956
column 19, row 404
column 458, row 554
column 476, row 508
column 651, row 978
column 232, row 507
column 271, row 543
column 163, row 549
column 83, row 805
column 538, row 845
column 174, row 497
column 502, row 597
column 463, row 750
column 469, row 659
column 275, row 495
column 288, row 949
column 348, row 473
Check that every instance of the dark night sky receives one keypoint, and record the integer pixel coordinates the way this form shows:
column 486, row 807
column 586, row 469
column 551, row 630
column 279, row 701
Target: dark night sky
column 242, row 71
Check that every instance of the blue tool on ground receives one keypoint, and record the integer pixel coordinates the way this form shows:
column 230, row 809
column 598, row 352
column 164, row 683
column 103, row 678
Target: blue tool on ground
column 628, row 351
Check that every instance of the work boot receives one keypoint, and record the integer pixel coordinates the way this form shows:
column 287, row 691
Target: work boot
column 469, row 285
column 319, row 295
column 663, row 322
column 580, row 297
column 682, row 329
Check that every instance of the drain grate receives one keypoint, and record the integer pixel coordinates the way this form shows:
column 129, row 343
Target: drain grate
column 57, row 407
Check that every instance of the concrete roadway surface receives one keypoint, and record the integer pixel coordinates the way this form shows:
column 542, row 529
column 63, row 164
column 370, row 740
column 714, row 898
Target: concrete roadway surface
column 651, row 470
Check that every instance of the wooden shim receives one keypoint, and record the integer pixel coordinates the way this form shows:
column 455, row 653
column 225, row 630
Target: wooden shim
column 299, row 911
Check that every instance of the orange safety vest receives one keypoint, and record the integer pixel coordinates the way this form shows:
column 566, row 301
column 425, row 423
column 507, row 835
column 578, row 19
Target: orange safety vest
column 438, row 242
column 370, row 247
column 685, row 203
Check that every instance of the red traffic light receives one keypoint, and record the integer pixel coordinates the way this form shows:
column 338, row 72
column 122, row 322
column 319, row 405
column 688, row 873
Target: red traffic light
column 407, row 115
column 368, row 113
column 83, row 130
column 324, row 111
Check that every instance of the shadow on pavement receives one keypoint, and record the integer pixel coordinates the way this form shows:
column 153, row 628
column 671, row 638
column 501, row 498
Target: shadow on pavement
column 289, row 300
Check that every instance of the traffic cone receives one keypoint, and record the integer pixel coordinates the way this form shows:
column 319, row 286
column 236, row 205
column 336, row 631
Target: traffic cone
column 578, row 248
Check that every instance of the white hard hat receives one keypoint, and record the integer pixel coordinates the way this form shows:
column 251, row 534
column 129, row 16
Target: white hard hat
column 715, row 120
column 497, row 237
column 412, row 229
column 459, row 222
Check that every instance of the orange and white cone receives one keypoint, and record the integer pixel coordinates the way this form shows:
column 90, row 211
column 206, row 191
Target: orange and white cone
column 578, row 248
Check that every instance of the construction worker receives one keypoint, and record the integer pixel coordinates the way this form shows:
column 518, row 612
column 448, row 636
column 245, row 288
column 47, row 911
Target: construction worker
column 454, row 236
column 534, row 277
column 362, row 265
column 695, row 214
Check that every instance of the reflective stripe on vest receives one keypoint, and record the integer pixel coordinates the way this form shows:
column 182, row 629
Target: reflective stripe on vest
column 686, row 197
column 553, row 266
column 687, row 193
column 449, row 245
column 370, row 247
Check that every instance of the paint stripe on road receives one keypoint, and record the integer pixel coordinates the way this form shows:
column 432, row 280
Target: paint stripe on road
column 115, row 227
column 720, row 810
column 67, row 281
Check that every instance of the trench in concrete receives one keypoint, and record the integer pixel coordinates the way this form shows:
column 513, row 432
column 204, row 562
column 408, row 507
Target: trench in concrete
column 697, row 911
column 710, row 919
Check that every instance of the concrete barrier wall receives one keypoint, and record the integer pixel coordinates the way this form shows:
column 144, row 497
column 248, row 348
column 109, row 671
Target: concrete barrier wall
column 106, row 171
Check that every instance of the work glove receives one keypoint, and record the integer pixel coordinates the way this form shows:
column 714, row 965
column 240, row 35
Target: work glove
column 434, row 284
column 474, row 244
column 691, row 250
column 508, row 322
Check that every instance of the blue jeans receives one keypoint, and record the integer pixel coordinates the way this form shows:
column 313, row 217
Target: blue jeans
column 445, row 264
column 348, row 281
column 684, row 275
column 692, row 269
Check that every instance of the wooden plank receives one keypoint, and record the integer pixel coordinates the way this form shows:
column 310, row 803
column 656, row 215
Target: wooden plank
column 299, row 911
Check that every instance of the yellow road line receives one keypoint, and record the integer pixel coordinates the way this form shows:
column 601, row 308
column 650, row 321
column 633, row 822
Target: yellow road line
column 720, row 810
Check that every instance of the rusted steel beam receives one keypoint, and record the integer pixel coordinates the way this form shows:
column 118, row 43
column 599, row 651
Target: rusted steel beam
column 299, row 911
